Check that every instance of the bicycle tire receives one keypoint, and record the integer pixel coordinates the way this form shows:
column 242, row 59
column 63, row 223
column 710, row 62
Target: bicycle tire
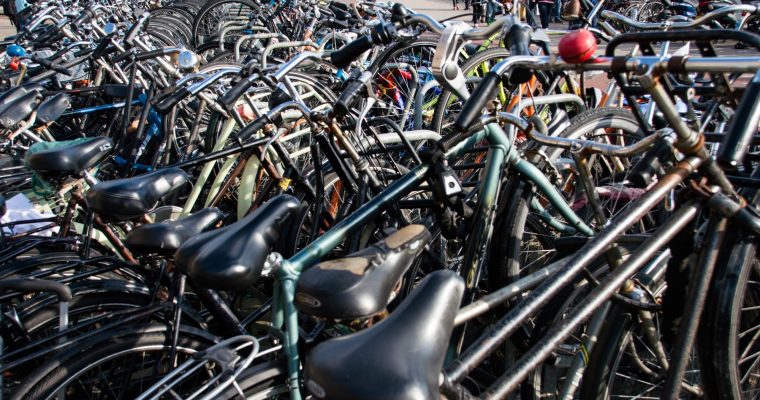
column 268, row 380
column 395, row 98
column 489, row 58
column 525, row 243
column 53, row 376
column 200, row 37
column 729, row 314
column 513, row 216
column 610, row 365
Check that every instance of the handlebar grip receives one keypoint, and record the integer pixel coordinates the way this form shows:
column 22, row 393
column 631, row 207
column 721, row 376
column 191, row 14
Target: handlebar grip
column 37, row 285
column 129, row 38
column 166, row 104
column 101, row 49
column 231, row 96
column 343, row 57
column 742, row 128
column 484, row 92
column 50, row 65
column 123, row 56
column 84, row 18
column 252, row 128
column 518, row 42
column 63, row 70
column 147, row 55
column 348, row 98
column 107, row 51
column 49, row 36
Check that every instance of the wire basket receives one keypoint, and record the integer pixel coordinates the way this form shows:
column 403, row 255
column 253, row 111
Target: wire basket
column 207, row 373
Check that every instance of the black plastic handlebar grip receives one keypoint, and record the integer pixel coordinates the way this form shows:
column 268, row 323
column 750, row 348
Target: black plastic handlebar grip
column 147, row 55
column 472, row 108
column 252, row 128
column 62, row 69
column 381, row 34
column 102, row 48
column 348, row 98
column 50, row 65
column 121, row 57
column 518, row 42
column 37, row 285
column 231, row 96
column 343, row 57
column 170, row 101
column 743, row 126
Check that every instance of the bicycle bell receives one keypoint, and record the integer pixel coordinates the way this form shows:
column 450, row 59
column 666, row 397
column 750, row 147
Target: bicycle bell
column 188, row 61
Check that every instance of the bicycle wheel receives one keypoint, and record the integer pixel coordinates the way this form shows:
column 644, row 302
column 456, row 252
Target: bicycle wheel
column 209, row 18
column 651, row 11
column 209, row 52
column 730, row 338
column 449, row 105
column 116, row 366
column 94, row 305
column 624, row 364
column 526, row 242
column 405, row 70
column 268, row 380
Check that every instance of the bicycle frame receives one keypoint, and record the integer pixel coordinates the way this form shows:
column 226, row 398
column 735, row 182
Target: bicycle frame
column 696, row 158
column 501, row 152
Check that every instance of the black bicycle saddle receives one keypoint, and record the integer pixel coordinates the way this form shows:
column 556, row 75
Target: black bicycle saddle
column 232, row 258
column 15, row 93
column 400, row 357
column 52, row 108
column 128, row 198
column 19, row 109
column 82, row 154
column 360, row 285
column 167, row 236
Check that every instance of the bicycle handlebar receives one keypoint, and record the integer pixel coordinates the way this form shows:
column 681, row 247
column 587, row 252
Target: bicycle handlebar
column 709, row 17
column 470, row 34
column 484, row 90
column 273, row 115
column 88, row 14
column 168, row 102
column 146, row 55
column 129, row 38
column 518, row 41
column 344, row 56
column 745, row 37
column 231, row 96
column 596, row 147
column 350, row 95
column 51, row 65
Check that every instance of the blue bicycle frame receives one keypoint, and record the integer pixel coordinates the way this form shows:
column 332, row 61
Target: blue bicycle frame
column 153, row 128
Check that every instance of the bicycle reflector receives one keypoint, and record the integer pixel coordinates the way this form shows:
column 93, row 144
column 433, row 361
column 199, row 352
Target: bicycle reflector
column 577, row 46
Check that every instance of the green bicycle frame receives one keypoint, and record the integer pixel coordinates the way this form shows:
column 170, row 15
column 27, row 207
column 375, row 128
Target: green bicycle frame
column 286, row 272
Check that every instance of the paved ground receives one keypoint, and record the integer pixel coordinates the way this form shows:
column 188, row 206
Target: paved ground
column 442, row 9
column 6, row 28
